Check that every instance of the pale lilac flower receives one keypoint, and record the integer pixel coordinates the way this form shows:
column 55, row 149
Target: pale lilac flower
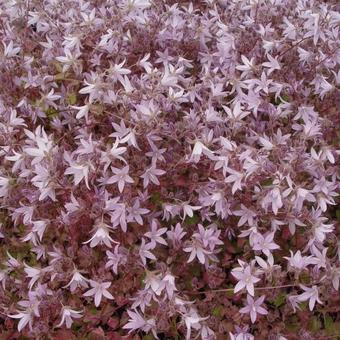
column 121, row 176
column 311, row 294
column 66, row 316
column 80, row 171
column 4, row 186
column 154, row 282
column 98, row 290
column 247, row 216
column 188, row 210
column 236, row 178
column 198, row 150
column 115, row 152
column 101, row 236
column 155, row 235
column 335, row 274
column 196, row 249
column 254, row 307
column 137, row 322
column 27, row 315
column 9, row 50
column 241, row 336
column 267, row 267
column 117, row 211
column 272, row 64
column 151, row 175
column 320, row 258
column 265, row 243
column 169, row 284
column 192, row 321
column 245, row 278
column 135, row 213
column 156, row 154
column 118, row 257
column 142, row 299
column 77, row 281
column 176, row 234
column 34, row 274
column 207, row 333
column 145, row 253
column 274, row 199
column 297, row 261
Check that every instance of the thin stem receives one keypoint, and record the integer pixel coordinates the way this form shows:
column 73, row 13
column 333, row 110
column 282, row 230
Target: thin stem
column 291, row 47
column 232, row 289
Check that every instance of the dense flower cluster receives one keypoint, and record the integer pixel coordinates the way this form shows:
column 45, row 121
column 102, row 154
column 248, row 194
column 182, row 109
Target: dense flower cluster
column 168, row 169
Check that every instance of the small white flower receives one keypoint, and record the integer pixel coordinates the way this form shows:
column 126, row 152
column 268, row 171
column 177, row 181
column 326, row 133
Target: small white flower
column 151, row 175
column 76, row 281
column 79, row 172
column 192, row 320
column 155, row 235
column 9, row 50
column 247, row 216
column 145, row 253
column 254, row 307
column 115, row 259
column 265, row 243
column 121, row 176
column 311, row 294
column 26, row 317
column 297, row 261
column 98, row 290
column 4, row 186
column 196, row 249
column 33, row 273
column 198, row 150
column 31, row 310
column 137, row 322
column 101, row 236
column 67, row 315
column 245, row 277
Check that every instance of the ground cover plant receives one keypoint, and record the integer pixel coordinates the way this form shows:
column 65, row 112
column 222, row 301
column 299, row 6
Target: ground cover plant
column 169, row 169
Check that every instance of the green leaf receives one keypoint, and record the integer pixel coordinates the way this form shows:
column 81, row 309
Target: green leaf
column 59, row 76
column 195, row 270
column 51, row 113
column 191, row 220
column 267, row 182
column 230, row 293
column 93, row 310
column 303, row 305
column 217, row 311
column 279, row 300
column 304, row 277
column 314, row 324
column 292, row 324
column 155, row 198
column 71, row 99
column 329, row 324
column 337, row 214
column 148, row 337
